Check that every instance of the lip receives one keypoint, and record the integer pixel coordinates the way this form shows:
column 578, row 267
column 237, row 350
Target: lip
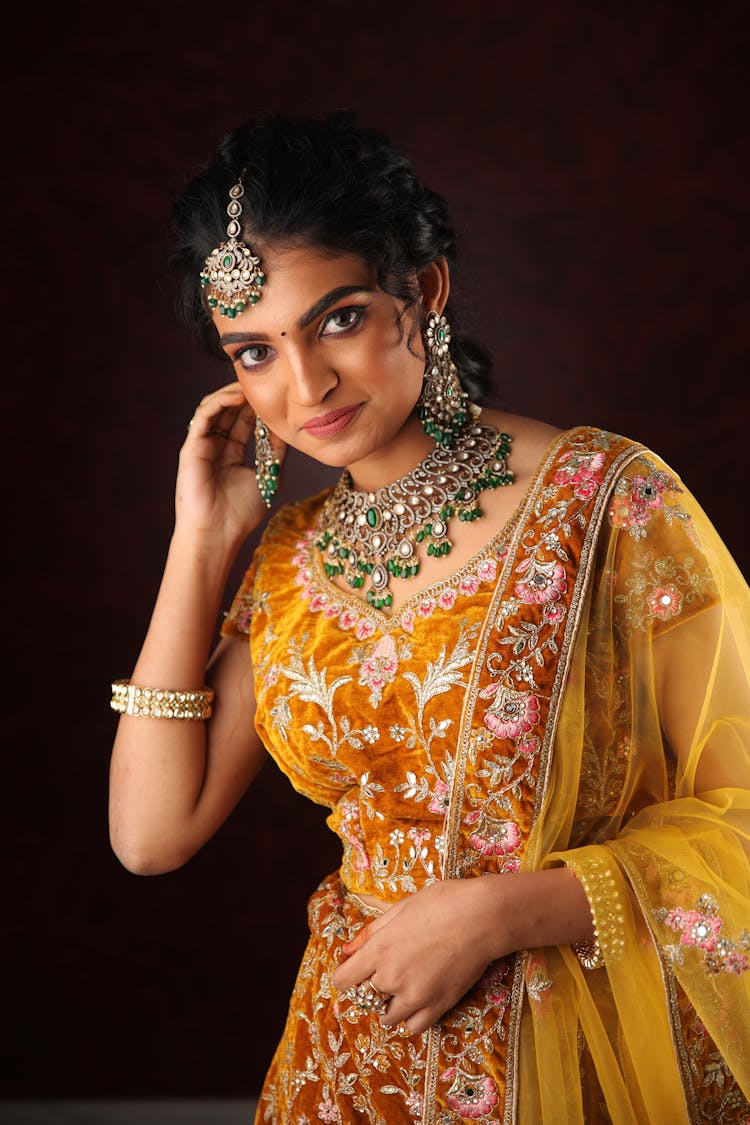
column 332, row 423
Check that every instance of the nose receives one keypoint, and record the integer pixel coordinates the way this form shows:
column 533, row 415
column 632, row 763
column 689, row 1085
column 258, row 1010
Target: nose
column 311, row 378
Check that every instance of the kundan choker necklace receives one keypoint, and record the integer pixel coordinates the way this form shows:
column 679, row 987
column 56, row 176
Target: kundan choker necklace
column 373, row 536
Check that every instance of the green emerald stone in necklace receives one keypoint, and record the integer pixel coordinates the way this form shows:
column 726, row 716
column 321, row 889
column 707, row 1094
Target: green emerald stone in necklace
column 373, row 537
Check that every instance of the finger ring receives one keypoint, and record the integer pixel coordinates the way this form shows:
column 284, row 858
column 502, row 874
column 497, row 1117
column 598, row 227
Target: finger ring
column 191, row 421
column 367, row 997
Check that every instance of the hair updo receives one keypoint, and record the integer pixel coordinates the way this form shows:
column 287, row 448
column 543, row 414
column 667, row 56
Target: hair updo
column 325, row 183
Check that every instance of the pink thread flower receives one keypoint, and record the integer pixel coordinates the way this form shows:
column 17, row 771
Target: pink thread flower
column 512, row 713
column 545, row 582
column 407, row 621
column 364, row 629
column 493, row 835
column 327, row 1111
column 554, row 612
column 318, row 602
column 487, row 570
column 665, row 602
column 426, row 608
column 469, row 585
column 440, row 798
column 380, row 667
column 528, row 746
column 583, row 474
column 695, row 927
column 470, row 1096
column 447, row 599
column 348, row 619
column 492, row 982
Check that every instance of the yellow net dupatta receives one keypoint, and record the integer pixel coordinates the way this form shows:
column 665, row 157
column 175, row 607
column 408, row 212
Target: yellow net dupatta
column 649, row 802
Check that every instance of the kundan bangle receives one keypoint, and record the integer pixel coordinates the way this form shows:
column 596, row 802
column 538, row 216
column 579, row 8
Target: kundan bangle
column 160, row 703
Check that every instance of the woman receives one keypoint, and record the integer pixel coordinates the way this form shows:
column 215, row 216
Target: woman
column 553, row 697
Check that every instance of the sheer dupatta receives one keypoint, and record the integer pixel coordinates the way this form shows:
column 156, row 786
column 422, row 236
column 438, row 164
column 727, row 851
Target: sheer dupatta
column 649, row 802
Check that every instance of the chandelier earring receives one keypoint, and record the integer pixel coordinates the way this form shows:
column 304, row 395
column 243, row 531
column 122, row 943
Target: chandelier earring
column 267, row 464
column 443, row 406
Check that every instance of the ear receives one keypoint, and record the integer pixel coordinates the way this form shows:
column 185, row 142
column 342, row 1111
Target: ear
column 434, row 282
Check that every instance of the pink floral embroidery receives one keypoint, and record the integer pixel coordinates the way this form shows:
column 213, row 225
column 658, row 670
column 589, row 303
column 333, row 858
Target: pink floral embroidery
column 554, row 612
column 469, row 585
column 351, row 830
column 364, row 630
column 582, row 473
column 528, row 746
column 379, row 668
column 440, row 798
column 487, row 570
column 348, row 619
column 638, row 498
column 448, row 598
column 415, row 1104
column 470, row 1095
column 696, row 927
column 407, row 621
column 511, row 713
column 318, row 602
column 545, row 582
column 493, row 835
column 328, row 1112
column 244, row 617
column 701, row 928
column 426, row 608
column 665, row 602
column 498, row 993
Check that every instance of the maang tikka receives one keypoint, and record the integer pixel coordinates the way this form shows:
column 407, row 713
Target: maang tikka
column 232, row 273
column 443, row 406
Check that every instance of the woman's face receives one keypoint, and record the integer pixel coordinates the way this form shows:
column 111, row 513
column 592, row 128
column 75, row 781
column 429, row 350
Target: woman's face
column 324, row 361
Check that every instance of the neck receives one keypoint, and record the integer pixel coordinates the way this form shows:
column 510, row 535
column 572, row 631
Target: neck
column 394, row 460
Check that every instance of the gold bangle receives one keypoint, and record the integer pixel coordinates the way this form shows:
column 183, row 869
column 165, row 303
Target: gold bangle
column 589, row 953
column 160, row 703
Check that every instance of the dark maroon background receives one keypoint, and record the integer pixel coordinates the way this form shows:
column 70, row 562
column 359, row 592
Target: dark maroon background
column 596, row 159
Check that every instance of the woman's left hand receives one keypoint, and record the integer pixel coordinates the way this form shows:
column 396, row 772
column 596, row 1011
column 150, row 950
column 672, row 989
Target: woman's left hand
column 427, row 950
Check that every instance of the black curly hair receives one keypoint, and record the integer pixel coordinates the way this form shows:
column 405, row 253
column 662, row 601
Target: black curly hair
column 327, row 183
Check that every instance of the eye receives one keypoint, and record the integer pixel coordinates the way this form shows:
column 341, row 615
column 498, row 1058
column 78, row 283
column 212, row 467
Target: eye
column 252, row 356
column 341, row 320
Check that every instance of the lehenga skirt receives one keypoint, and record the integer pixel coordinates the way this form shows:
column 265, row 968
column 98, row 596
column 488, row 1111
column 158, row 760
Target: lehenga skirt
column 338, row 1063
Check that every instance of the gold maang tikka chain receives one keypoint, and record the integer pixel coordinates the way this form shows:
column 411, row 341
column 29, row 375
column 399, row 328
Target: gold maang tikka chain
column 373, row 536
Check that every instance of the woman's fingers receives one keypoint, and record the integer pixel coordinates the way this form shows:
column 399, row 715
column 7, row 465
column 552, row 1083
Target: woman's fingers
column 217, row 413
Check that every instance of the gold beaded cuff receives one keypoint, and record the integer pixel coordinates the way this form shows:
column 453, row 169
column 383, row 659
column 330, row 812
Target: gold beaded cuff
column 599, row 884
column 160, row 703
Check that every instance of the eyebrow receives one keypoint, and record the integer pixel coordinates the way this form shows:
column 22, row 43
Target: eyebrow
column 306, row 319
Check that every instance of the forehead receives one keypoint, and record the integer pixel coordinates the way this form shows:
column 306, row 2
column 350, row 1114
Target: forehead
column 296, row 277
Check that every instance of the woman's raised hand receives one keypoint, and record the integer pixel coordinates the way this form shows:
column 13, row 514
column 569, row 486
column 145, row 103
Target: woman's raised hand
column 216, row 491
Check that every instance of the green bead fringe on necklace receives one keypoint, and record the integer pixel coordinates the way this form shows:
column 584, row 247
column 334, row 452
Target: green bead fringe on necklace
column 375, row 535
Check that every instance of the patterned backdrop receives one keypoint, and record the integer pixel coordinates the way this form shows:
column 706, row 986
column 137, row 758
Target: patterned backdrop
column 595, row 156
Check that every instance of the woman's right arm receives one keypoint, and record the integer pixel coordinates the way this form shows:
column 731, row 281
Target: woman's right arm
column 174, row 781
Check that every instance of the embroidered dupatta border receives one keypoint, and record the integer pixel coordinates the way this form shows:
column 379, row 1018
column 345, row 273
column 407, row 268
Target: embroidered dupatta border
column 617, row 459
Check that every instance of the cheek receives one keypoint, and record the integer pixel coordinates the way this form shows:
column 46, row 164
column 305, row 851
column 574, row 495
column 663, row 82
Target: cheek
column 259, row 396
